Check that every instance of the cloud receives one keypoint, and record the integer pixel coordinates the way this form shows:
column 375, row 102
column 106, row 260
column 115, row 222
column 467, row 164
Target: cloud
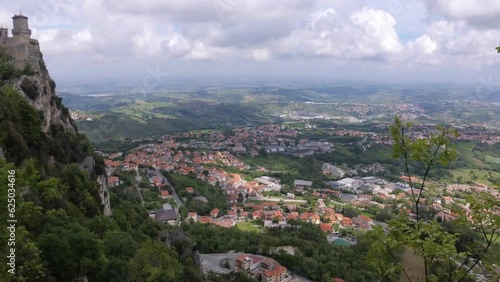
column 261, row 55
column 478, row 13
column 365, row 34
column 337, row 33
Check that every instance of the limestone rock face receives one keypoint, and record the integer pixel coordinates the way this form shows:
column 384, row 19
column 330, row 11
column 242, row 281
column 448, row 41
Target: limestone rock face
column 104, row 193
column 39, row 90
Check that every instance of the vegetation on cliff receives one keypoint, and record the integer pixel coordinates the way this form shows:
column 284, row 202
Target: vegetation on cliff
column 61, row 232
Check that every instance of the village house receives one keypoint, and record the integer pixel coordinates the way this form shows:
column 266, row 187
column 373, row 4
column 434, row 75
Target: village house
column 113, row 181
column 204, row 219
column 164, row 194
column 447, row 200
column 193, row 216
column 232, row 214
column 328, row 169
column 302, row 184
column 244, row 262
column 214, row 212
column 326, row 227
column 166, row 216
column 275, row 274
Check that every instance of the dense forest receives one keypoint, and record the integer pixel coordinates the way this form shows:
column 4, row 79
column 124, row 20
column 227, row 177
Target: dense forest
column 315, row 257
column 61, row 232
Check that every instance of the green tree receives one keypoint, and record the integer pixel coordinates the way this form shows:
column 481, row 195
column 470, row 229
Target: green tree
column 154, row 262
column 424, row 238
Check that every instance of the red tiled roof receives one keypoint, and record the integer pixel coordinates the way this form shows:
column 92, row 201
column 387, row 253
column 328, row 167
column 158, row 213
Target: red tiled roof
column 277, row 270
column 204, row 219
column 325, row 227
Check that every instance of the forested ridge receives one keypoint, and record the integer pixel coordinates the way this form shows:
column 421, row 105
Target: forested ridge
column 61, row 231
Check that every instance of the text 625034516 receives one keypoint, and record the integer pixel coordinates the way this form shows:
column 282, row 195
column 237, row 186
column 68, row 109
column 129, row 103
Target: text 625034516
column 11, row 221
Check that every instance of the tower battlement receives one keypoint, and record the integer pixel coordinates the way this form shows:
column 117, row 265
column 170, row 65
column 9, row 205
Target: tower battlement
column 21, row 33
column 20, row 46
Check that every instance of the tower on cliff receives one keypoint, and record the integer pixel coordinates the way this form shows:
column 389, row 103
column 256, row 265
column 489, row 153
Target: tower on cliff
column 4, row 32
column 21, row 31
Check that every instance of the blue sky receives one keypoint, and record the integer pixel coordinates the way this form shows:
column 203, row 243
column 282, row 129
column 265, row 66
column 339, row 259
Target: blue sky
column 411, row 40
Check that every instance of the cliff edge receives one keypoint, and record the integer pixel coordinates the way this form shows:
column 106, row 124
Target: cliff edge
column 43, row 130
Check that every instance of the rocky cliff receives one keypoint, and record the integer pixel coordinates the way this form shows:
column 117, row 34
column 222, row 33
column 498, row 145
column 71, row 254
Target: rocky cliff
column 23, row 69
column 38, row 87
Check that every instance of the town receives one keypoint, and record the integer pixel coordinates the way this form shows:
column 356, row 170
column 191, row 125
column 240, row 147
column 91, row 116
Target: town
column 343, row 207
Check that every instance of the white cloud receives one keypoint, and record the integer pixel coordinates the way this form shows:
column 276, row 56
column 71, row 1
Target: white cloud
column 371, row 33
column 201, row 51
column 365, row 34
column 261, row 55
column 482, row 13
column 423, row 45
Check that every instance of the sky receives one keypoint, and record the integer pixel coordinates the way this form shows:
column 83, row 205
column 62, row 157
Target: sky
column 358, row 40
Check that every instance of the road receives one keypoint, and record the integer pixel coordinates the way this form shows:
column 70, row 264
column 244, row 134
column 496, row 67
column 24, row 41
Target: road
column 138, row 179
column 174, row 194
column 271, row 199
column 211, row 262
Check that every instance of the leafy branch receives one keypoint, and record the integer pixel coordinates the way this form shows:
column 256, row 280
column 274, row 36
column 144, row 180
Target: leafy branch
column 442, row 259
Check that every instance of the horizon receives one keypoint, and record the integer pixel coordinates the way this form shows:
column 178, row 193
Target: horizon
column 419, row 41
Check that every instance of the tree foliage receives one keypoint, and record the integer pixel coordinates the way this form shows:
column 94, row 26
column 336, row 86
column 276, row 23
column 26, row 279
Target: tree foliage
column 450, row 251
column 314, row 257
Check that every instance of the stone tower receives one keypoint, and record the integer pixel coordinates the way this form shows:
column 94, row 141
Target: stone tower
column 4, row 33
column 21, row 31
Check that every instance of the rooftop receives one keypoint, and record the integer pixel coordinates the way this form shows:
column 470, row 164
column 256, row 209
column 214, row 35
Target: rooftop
column 165, row 215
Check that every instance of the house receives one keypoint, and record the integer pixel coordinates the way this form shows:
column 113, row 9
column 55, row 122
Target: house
column 270, row 183
column 226, row 223
column 310, row 217
column 292, row 215
column 193, row 215
column 190, row 190
column 359, row 223
column 256, row 215
column 346, row 221
column 366, row 219
column 232, row 214
column 268, row 263
column 332, row 170
column 164, row 194
column 302, row 184
column 350, row 184
column 166, row 216
column 243, row 215
column 113, row 181
column 447, row 200
column 277, row 274
column 244, row 262
column 204, row 219
column 214, row 213
column 326, row 227
column 446, row 215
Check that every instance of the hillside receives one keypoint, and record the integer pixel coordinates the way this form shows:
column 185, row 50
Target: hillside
column 61, row 226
